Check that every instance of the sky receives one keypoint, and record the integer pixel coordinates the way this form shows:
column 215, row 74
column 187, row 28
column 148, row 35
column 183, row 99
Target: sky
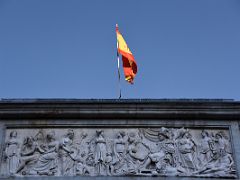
column 67, row 48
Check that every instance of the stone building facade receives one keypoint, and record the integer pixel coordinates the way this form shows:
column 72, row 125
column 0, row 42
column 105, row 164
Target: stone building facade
column 119, row 139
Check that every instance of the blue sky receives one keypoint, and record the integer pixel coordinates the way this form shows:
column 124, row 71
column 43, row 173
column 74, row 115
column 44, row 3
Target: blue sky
column 67, row 48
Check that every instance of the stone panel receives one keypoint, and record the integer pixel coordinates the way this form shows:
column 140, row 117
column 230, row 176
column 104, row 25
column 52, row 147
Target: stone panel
column 123, row 151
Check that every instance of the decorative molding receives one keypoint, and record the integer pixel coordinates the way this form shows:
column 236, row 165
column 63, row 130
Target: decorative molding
column 190, row 109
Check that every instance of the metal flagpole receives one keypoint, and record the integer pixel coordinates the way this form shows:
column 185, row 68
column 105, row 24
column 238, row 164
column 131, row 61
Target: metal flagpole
column 119, row 77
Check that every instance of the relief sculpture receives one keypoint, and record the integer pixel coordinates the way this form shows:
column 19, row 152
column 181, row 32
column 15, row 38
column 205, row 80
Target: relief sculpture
column 118, row 152
column 12, row 152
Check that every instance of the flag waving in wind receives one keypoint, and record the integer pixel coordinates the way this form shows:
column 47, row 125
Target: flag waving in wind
column 129, row 63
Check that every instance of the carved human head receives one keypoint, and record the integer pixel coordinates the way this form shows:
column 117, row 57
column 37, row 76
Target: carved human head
column 168, row 159
column 122, row 133
column 70, row 133
column 28, row 141
column 187, row 135
column 13, row 134
column 204, row 133
column 218, row 135
column 161, row 137
column 99, row 132
column 119, row 135
column 84, row 134
column 131, row 137
column 163, row 134
column 51, row 135
column 39, row 136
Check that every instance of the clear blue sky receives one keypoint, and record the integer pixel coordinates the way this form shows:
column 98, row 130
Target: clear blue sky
column 67, row 48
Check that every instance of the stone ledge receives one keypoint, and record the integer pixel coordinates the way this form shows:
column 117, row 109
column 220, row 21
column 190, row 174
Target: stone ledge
column 132, row 108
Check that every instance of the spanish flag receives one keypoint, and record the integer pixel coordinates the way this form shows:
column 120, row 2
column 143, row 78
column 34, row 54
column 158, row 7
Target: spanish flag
column 129, row 63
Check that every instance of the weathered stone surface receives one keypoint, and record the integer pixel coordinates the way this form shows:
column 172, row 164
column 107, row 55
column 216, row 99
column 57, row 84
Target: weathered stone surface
column 177, row 139
column 118, row 152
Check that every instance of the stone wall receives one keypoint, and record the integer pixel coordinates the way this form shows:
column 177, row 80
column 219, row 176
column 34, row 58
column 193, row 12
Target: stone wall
column 89, row 139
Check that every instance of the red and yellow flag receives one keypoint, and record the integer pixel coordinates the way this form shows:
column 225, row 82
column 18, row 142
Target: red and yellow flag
column 129, row 63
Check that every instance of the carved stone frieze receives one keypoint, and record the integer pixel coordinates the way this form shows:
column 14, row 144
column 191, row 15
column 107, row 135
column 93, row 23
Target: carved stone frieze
column 118, row 152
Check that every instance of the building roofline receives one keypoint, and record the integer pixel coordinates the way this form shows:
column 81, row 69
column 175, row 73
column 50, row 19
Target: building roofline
column 120, row 108
column 65, row 100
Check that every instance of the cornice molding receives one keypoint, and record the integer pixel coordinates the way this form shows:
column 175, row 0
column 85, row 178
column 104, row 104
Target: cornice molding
column 114, row 108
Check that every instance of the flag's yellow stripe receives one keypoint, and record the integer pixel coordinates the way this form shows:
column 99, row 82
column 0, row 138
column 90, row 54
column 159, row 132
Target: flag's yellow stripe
column 122, row 45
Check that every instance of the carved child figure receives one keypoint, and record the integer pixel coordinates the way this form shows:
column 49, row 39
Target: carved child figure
column 165, row 166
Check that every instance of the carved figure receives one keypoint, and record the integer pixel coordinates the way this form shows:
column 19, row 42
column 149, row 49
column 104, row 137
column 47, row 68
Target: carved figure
column 119, row 150
column 30, row 153
column 100, row 153
column 47, row 163
column 166, row 167
column 109, row 164
column 120, row 144
column 69, row 154
column 12, row 152
column 82, row 169
column 81, row 166
column 204, row 149
column 164, row 153
column 221, row 162
column 187, row 149
column 83, row 145
column 137, row 154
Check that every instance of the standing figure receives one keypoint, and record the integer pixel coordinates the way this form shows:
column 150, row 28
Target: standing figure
column 187, row 150
column 100, row 153
column 120, row 144
column 12, row 153
column 69, row 153
column 119, row 150
column 204, row 149
column 81, row 166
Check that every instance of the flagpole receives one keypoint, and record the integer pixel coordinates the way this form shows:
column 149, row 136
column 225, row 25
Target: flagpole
column 119, row 82
column 119, row 77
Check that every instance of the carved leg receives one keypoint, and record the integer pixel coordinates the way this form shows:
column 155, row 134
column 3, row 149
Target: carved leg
column 145, row 164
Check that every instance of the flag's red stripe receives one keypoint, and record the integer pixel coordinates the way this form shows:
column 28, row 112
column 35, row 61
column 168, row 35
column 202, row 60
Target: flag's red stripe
column 129, row 56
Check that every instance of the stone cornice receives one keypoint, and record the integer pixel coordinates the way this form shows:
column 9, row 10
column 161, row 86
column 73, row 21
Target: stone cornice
column 221, row 109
